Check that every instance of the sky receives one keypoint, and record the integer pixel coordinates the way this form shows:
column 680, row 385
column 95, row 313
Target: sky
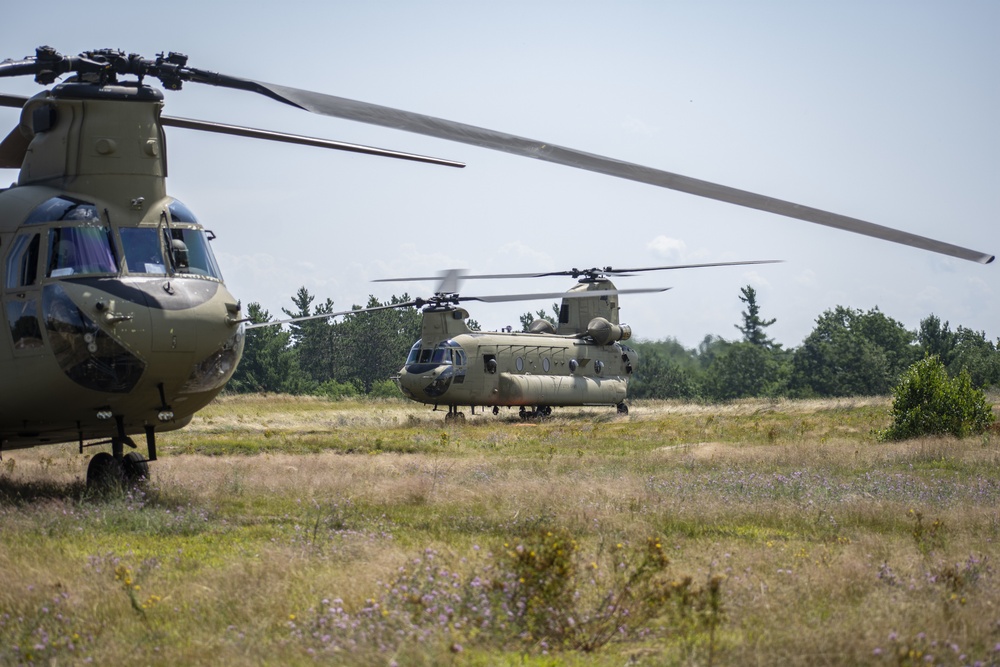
column 884, row 111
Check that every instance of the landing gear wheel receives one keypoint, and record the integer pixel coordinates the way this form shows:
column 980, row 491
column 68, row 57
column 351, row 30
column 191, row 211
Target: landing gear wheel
column 496, row 409
column 455, row 417
column 135, row 469
column 622, row 409
column 544, row 410
column 104, row 472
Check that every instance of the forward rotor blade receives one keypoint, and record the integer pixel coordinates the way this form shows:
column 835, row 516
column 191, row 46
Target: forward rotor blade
column 236, row 130
column 258, row 325
column 12, row 101
column 374, row 114
column 12, row 154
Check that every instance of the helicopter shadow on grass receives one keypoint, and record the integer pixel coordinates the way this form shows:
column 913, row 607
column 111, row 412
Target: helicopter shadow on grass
column 15, row 491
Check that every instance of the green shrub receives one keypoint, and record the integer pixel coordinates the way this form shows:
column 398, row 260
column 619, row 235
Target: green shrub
column 928, row 402
column 384, row 389
column 336, row 390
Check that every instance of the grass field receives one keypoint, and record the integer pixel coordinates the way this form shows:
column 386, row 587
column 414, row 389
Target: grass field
column 282, row 530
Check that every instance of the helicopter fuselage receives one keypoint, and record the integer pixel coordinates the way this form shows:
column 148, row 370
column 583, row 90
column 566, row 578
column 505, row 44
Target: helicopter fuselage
column 117, row 318
column 454, row 366
column 516, row 369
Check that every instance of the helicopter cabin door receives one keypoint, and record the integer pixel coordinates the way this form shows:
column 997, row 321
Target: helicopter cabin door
column 484, row 382
column 21, row 294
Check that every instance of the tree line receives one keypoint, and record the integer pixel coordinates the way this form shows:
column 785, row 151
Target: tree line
column 849, row 352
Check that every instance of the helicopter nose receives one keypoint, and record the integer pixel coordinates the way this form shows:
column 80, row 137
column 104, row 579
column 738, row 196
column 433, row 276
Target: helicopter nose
column 425, row 381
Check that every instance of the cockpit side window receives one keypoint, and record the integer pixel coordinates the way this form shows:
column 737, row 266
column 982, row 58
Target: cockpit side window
column 143, row 252
column 190, row 252
column 414, row 353
column 80, row 251
column 22, row 261
column 180, row 213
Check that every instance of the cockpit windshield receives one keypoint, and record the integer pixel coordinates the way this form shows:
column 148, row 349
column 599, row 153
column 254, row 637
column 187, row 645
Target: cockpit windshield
column 187, row 251
column 81, row 250
column 143, row 253
column 445, row 352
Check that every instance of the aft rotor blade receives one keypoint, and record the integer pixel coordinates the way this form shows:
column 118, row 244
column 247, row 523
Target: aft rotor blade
column 561, row 295
column 374, row 114
column 13, row 149
column 619, row 272
column 258, row 325
column 576, row 272
column 239, row 131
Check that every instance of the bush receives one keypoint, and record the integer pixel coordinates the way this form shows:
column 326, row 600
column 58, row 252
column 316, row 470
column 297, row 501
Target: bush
column 337, row 390
column 928, row 402
column 384, row 389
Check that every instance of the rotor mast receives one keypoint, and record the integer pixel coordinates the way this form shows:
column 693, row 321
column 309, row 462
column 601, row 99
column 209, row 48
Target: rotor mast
column 85, row 139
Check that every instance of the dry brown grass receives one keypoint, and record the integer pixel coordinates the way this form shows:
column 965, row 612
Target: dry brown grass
column 829, row 542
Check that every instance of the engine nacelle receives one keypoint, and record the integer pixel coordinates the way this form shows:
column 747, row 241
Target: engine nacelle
column 541, row 326
column 604, row 332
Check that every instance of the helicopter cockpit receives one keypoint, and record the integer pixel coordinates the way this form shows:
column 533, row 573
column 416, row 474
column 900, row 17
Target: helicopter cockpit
column 446, row 352
column 430, row 370
column 65, row 245
column 79, row 243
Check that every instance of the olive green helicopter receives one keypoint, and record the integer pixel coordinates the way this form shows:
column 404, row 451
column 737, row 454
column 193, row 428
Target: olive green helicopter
column 579, row 360
column 118, row 322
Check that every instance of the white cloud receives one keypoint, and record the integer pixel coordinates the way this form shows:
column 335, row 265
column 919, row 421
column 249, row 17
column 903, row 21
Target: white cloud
column 668, row 248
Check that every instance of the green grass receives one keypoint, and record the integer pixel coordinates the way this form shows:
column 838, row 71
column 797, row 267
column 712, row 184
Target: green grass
column 826, row 546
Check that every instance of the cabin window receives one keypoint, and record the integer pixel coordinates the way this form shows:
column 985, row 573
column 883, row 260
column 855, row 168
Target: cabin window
column 80, row 251
column 143, row 252
column 22, row 262
column 190, row 253
column 519, row 363
column 546, row 364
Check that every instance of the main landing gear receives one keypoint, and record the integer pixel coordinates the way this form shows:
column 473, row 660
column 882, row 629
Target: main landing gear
column 454, row 415
column 536, row 412
column 117, row 469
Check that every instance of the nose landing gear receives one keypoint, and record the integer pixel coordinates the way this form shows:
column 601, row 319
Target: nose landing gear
column 107, row 472
column 116, row 469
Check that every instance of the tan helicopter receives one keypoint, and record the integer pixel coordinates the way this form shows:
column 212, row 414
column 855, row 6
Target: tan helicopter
column 117, row 320
column 581, row 360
